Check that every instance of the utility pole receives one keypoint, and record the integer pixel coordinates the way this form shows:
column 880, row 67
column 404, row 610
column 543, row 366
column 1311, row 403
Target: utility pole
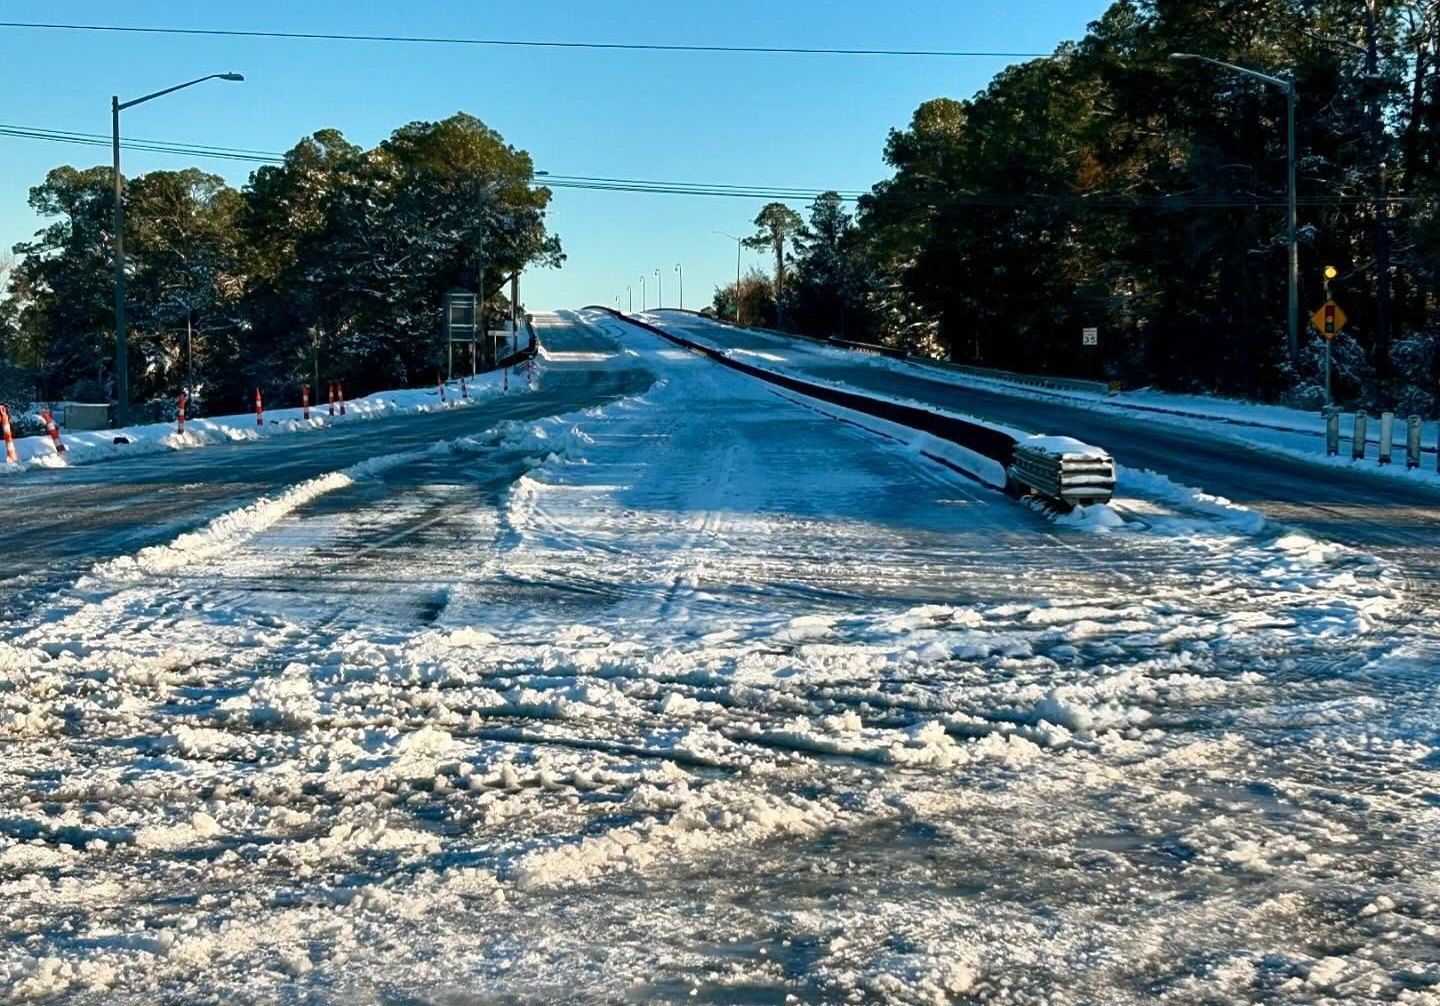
column 514, row 310
column 681, row 272
column 659, row 291
column 482, row 331
column 630, row 294
column 1292, row 224
column 1375, row 112
column 644, row 304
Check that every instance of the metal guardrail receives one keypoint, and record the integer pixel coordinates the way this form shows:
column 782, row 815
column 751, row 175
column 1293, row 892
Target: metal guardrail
column 1081, row 476
column 1066, row 478
column 870, row 347
column 1030, row 380
column 519, row 356
column 1011, row 376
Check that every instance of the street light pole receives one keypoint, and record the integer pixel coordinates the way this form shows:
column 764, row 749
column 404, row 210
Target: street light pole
column 122, row 349
column 681, row 271
column 738, row 243
column 630, row 294
column 659, row 291
column 1292, row 220
column 644, row 304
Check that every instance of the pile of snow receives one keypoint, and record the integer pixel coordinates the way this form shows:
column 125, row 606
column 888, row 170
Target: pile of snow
column 86, row 447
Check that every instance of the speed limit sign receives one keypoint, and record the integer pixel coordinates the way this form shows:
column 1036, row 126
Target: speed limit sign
column 1089, row 337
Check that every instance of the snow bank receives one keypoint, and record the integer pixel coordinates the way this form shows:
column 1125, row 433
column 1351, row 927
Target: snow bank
column 87, row 447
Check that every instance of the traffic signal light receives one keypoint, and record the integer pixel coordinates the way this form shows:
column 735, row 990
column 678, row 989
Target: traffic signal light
column 1329, row 319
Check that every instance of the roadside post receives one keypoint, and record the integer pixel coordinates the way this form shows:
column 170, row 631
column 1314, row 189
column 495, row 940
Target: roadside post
column 53, row 430
column 1412, row 442
column 461, row 316
column 180, row 414
column 1090, row 338
column 332, row 398
column 305, row 401
column 340, row 394
column 1329, row 320
column 259, row 409
column 1387, row 436
column 10, row 455
column 1357, row 438
column 1332, row 431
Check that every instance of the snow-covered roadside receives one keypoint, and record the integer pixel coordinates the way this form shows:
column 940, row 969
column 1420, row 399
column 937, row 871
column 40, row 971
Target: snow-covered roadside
column 719, row 700
column 90, row 446
column 1289, row 432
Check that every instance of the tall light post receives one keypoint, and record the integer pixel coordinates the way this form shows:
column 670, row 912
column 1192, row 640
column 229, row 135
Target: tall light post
column 644, row 304
column 738, row 243
column 659, row 291
column 681, row 273
column 122, row 354
column 1291, row 98
column 630, row 295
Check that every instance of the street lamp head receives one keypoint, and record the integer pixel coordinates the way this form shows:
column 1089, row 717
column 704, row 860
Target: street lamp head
column 1180, row 57
column 231, row 76
column 1331, row 272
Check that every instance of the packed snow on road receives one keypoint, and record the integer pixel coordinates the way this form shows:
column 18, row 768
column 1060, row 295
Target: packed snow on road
column 703, row 695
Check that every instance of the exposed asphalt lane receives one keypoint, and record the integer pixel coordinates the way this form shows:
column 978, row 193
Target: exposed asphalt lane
column 56, row 517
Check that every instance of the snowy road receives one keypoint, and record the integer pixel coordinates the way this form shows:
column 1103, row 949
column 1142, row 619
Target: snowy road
column 1400, row 521
column 57, row 516
column 695, row 694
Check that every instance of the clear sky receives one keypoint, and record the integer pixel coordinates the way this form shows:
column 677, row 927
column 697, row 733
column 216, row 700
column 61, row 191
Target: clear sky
column 800, row 121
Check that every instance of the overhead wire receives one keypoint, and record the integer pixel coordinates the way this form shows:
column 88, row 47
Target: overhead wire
column 782, row 50
column 1000, row 200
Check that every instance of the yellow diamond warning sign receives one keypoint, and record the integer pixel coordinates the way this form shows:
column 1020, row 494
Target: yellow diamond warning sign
column 1329, row 320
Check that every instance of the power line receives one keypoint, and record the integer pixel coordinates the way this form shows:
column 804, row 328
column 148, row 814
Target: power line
column 1160, row 201
column 526, row 43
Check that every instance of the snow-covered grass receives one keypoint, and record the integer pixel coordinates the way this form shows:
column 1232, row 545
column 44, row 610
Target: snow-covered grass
column 704, row 696
column 90, row 446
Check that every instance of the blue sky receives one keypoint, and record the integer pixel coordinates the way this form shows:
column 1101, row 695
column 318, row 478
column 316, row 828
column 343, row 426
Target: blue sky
column 803, row 121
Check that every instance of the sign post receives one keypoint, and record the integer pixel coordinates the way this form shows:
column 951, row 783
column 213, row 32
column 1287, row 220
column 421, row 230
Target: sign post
column 1329, row 321
column 461, row 315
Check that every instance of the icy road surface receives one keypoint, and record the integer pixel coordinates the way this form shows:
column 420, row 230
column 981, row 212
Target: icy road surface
column 699, row 695
column 1401, row 521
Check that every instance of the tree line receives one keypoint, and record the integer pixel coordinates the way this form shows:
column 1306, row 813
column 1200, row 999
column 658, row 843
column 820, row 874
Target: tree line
column 337, row 258
column 1110, row 186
